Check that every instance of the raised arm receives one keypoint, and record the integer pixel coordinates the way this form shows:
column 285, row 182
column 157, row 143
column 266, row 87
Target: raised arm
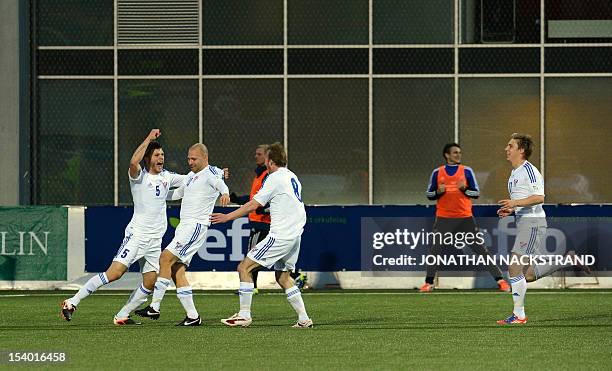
column 140, row 152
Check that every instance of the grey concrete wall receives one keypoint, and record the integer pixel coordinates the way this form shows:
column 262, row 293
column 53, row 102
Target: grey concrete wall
column 9, row 102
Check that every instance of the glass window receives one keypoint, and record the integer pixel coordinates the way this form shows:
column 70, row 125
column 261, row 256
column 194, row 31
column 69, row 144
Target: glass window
column 171, row 106
column 578, row 60
column 578, row 131
column 586, row 21
column 315, row 22
column 413, row 119
column 240, row 22
column 413, row 22
column 490, row 110
column 413, row 60
column 75, row 22
column 75, row 146
column 243, row 62
column 328, row 61
column 500, row 21
column 499, row 60
column 75, row 62
column 158, row 62
column 328, row 139
column 239, row 115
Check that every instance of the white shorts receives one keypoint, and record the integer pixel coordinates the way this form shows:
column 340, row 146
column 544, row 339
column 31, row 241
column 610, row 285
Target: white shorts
column 188, row 238
column 282, row 254
column 530, row 239
column 145, row 250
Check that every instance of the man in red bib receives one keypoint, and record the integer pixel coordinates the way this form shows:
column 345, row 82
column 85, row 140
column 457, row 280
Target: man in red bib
column 453, row 185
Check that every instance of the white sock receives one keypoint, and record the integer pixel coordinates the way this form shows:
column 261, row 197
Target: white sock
column 185, row 295
column 139, row 296
column 89, row 288
column 519, row 288
column 294, row 296
column 161, row 285
column 246, row 296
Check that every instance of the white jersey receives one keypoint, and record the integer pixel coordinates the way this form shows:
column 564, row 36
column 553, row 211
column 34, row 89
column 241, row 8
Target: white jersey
column 200, row 192
column 149, row 195
column 526, row 181
column 283, row 191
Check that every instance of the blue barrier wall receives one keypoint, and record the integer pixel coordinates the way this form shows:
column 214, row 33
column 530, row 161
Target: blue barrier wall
column 331, row 239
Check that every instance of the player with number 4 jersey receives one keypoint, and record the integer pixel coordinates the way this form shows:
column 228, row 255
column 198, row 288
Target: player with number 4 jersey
column 283, row 191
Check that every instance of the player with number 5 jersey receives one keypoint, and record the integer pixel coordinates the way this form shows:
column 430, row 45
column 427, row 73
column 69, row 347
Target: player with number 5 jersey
column 143, row 235
column 283, row 191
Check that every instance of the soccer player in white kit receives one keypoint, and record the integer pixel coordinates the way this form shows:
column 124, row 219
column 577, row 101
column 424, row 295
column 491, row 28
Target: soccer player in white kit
column 526, row 188
column 199, row 192
column 281, row 248
column 143, row 235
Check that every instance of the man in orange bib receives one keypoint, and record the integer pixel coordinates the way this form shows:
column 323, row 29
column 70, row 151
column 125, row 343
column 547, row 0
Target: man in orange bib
column 453, row 185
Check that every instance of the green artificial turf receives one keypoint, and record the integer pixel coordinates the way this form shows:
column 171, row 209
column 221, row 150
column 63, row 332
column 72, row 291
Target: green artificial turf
column 567, row 329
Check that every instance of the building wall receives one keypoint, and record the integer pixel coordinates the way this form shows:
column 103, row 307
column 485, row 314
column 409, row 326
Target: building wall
column 9, row 102
column 364, row 93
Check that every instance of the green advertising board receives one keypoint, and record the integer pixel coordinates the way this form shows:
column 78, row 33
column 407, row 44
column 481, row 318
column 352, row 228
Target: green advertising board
column 33, row 243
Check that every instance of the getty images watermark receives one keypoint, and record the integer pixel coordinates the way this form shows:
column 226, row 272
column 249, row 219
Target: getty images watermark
column 410, row 245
